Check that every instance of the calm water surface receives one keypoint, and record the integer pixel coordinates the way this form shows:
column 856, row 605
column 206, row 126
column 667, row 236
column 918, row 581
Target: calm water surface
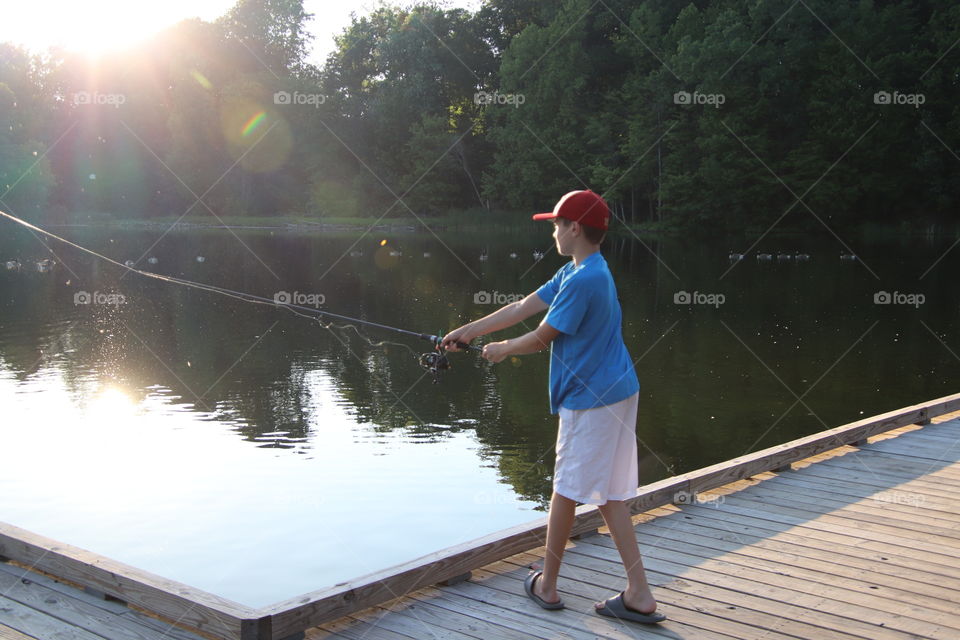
column 258, row 455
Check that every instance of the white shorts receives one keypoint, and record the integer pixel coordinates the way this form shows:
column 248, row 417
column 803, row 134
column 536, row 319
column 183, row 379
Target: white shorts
column 597, row 453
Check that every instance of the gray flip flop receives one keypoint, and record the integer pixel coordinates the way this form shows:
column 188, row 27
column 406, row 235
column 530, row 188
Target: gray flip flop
column 528, row 586
column 615, row 608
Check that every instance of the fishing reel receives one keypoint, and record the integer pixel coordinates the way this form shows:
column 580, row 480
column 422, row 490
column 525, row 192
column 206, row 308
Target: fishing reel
column 435, row 362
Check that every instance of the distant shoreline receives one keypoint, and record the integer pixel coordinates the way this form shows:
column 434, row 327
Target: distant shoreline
column 472, row 222
column 257, row 223
column 286, row 226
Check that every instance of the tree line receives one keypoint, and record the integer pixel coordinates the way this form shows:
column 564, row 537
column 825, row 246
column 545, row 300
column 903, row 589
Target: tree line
column 727, row 114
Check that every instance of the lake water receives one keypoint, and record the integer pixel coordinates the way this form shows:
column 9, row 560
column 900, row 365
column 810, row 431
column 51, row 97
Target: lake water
column 258, row 455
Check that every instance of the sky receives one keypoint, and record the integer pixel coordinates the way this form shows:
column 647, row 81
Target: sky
column 97, row 25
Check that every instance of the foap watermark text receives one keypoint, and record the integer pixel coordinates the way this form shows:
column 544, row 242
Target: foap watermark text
column 99, row 297
column 698, row 297
column 513, row 99
column 900, row 497
column 686, row 497
column 712, row 99
column 285, row 97
column 94, row 97
column 896, row 297
column 912, row 99
column 496, row 297
column 315, row 300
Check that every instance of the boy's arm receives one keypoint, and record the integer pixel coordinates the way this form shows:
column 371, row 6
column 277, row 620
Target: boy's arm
column 532, row 342
column 504, row 317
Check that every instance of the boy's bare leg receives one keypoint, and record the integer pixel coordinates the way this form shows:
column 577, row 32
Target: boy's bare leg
column 637, row 595
column 559, row 526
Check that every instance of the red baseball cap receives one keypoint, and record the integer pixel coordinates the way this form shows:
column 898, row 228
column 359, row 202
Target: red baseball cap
column 585, row 207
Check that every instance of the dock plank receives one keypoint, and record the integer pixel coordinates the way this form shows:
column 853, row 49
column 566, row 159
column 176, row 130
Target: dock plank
column 786, row 557
column 806, row 482
column 167, row 629
column 887, row 468
column 352, row 628
column 722, row 539
column 920, row 470
column 814, row 571
column 694, row 599
column 484, row 595
column 817, row 596
column 405, row 617
column 40, row 625
column 932, row 530
column 918, row 450
column 6, row 633
column 703, row 593
column 939, row 437
column 580, row 595
column 935, row 565
column 885, row 535
column 73, row 611
column 896, row 504
column 887, row 451
column 20, row 573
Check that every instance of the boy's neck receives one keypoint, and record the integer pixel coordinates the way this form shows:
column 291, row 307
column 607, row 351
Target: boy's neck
column 583, row 252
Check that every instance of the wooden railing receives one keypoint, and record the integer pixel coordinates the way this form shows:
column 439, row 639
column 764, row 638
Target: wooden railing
column 229, row 620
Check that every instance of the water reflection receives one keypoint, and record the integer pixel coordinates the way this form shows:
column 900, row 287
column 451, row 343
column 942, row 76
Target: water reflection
column 253, row 365
column 794, row 348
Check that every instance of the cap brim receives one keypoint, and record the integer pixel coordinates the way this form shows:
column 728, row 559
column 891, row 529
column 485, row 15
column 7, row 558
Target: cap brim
column 544, row 216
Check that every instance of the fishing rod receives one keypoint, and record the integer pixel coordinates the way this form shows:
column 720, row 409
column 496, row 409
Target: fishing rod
column 433, row 361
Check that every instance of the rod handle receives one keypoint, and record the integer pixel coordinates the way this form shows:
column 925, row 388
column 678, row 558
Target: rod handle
column 466, row 346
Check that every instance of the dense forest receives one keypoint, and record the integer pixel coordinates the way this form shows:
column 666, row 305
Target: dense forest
column 725, row 114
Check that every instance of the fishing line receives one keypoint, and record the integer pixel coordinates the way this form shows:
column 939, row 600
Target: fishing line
column 434, row 361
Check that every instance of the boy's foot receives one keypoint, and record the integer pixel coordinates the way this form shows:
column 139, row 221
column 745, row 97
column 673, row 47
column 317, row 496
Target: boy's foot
column 536, row 567
column 530, row 586
column 644, row 612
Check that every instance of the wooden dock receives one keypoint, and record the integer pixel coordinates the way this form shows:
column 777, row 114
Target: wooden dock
column 37, row 607
column 859, row 542
column 850, row 533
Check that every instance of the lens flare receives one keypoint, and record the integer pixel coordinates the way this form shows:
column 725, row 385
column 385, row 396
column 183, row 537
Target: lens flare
column 201, row 79
column 252, row 124
column 257, row 137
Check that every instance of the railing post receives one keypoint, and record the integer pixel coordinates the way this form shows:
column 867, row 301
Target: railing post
column 463, row 577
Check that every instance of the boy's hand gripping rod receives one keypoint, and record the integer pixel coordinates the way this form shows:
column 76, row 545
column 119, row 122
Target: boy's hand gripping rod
column 436, row 361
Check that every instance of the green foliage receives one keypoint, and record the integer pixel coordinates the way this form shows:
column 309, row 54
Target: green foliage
column 730, row 114
column 329, row 198
column 26, row 177
column 272, row 31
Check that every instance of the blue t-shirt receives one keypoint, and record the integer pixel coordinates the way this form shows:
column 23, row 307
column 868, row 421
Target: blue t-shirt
column 589, row 363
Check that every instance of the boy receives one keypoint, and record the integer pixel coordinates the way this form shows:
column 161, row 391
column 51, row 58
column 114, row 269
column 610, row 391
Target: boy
column 593, row 388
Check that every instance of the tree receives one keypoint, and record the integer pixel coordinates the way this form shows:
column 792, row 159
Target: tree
column 26, row 177
column 272, row 31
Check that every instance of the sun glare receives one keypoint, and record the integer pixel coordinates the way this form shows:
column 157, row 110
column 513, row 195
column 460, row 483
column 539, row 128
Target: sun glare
column 116, row 26
column 100, row 26
column 111, row 404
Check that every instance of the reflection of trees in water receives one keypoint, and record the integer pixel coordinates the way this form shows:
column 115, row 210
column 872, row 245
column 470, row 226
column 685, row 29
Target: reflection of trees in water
column 187, row 345
column 705, row 397
column 180, row 342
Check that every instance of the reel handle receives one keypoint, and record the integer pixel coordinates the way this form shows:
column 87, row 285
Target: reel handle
column 466, row 346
